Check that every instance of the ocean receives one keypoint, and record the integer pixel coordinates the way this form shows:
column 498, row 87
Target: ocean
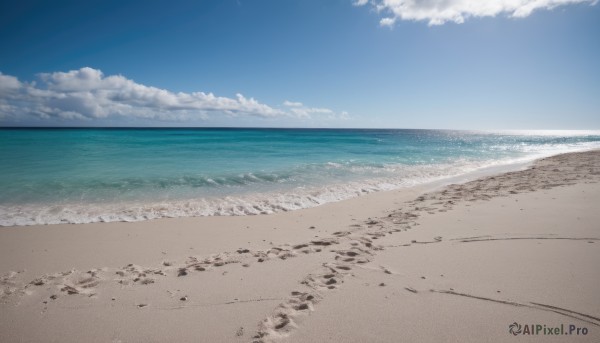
column 83, row 175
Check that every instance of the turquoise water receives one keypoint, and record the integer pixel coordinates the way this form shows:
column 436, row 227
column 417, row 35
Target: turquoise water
column 89, row 175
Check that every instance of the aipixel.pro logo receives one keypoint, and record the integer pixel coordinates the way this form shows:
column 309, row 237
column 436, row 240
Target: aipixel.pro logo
column 546, row 330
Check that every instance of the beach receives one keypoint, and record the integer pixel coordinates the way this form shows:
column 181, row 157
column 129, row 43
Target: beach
column 478, row 261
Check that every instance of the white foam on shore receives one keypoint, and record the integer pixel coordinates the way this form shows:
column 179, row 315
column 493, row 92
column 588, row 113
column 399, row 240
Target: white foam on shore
column 264, row 202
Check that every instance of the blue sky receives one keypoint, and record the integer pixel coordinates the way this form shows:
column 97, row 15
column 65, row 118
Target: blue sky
column 336, row 63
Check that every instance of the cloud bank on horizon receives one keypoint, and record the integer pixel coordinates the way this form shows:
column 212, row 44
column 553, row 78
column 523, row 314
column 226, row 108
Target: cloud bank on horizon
column 88, row 94
column 438, row 12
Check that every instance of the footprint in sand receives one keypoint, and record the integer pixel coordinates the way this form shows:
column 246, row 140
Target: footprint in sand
column 286, row 316
column 132, row 274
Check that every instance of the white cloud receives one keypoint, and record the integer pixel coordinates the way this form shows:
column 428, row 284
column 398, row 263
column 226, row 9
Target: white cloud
column 298, row 109
column 438, row 12
column 9, row 83
column 292, row 104
column 88, row 94
column 305, row 112
column 387, row 21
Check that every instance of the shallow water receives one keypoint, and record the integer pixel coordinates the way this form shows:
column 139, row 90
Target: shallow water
column 89, row 175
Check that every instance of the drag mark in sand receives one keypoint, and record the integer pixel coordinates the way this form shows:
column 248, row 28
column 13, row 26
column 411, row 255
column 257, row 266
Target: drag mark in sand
column 524, row 238
column 190, row 305
column 548, row 308
column 568, row 311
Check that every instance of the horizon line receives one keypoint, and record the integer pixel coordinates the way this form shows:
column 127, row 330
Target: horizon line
column 283, row 128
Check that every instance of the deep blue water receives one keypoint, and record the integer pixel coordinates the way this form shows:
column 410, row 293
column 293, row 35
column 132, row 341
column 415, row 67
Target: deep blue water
column 88, row 175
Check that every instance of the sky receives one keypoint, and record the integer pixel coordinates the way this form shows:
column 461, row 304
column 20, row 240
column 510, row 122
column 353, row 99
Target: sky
column 433, row 64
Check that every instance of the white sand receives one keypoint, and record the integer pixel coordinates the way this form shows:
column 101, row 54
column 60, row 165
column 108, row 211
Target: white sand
column 459, row 264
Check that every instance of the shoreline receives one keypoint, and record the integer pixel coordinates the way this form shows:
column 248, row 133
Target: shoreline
column 290, row 295
column 250, row 202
